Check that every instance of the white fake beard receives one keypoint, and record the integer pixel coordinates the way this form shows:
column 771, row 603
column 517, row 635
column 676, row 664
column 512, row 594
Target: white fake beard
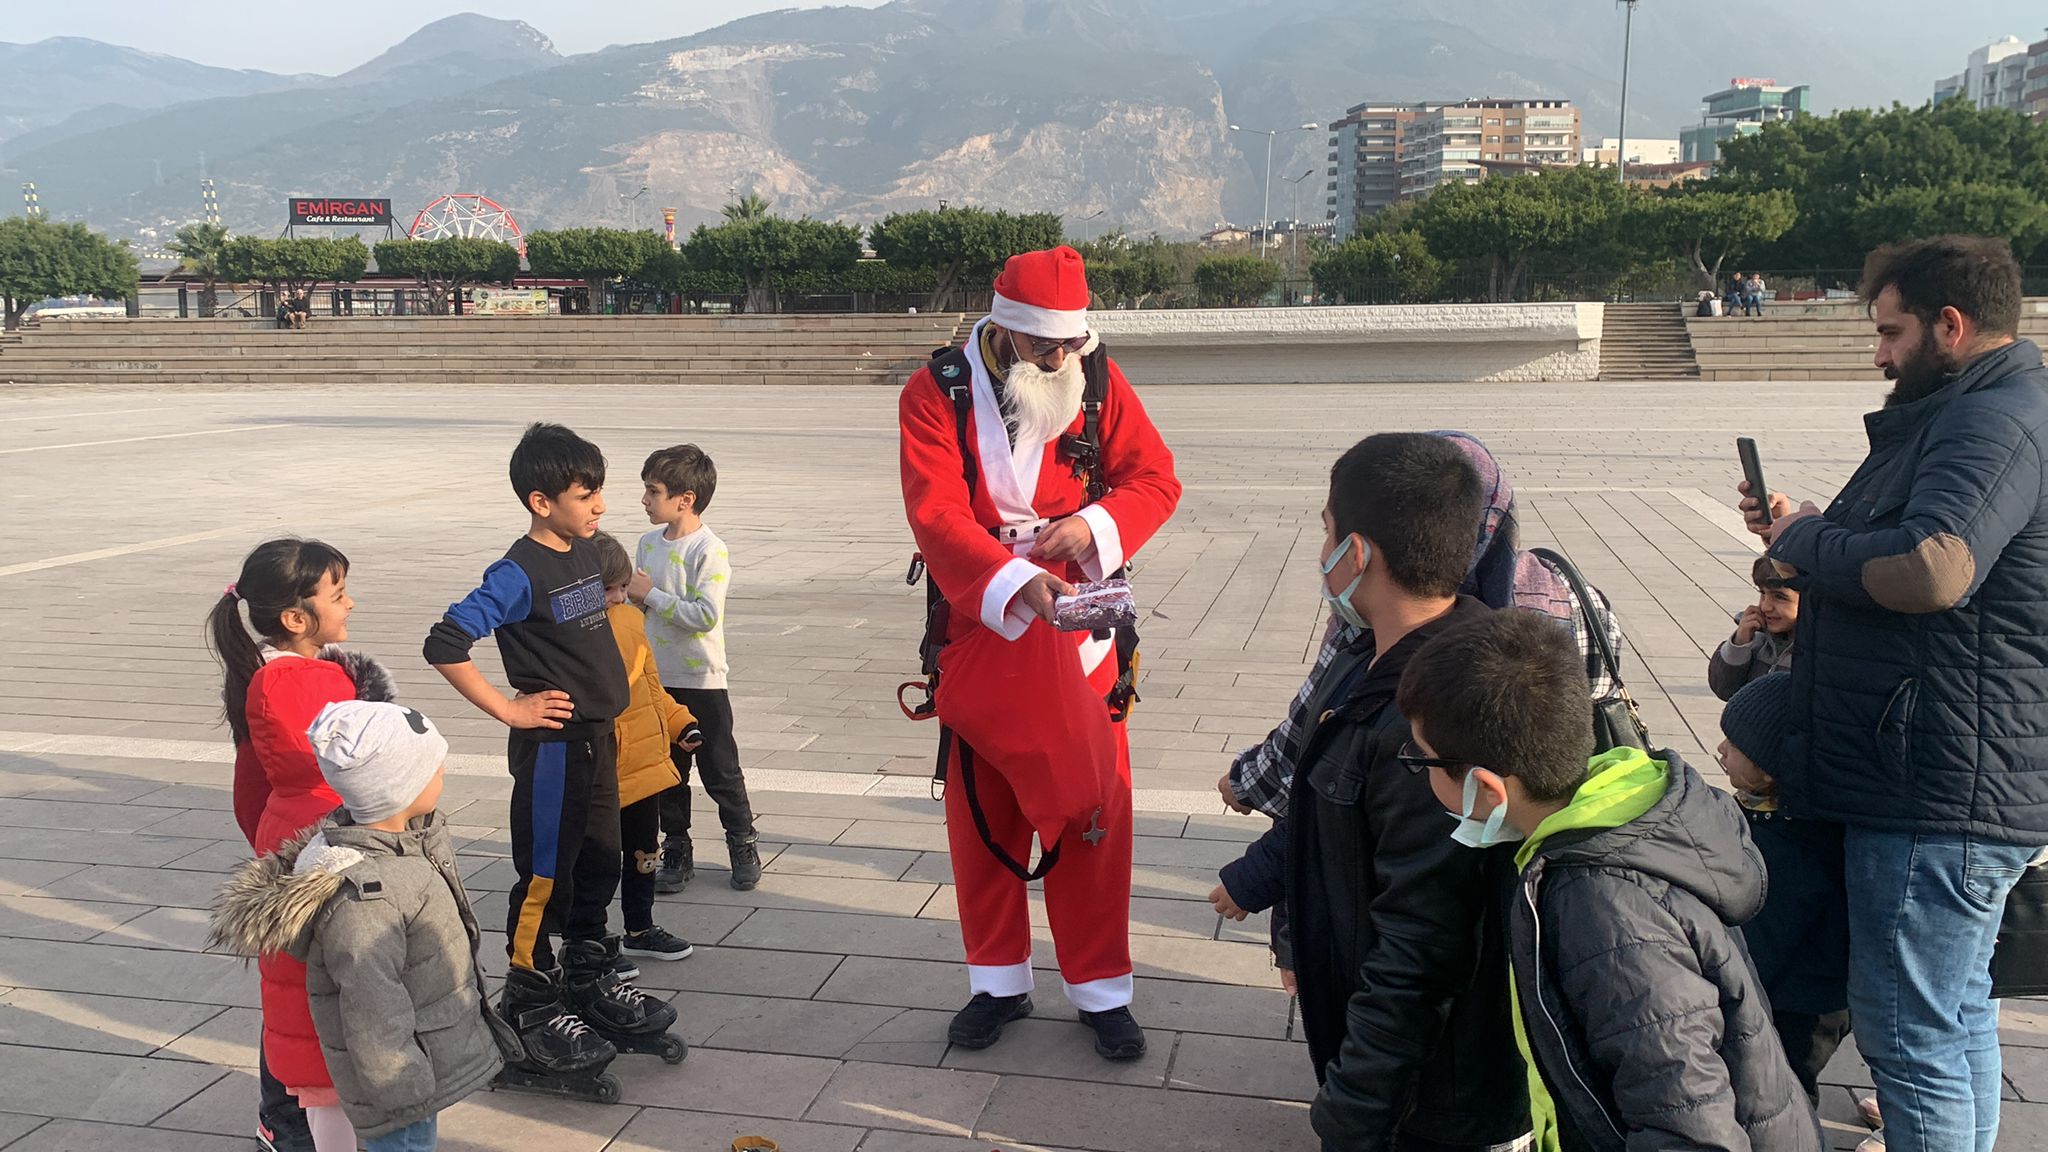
column 1040, row 405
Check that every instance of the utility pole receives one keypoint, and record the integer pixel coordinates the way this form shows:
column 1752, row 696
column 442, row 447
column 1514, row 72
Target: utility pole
column 1628, row 29
column 1264, row 230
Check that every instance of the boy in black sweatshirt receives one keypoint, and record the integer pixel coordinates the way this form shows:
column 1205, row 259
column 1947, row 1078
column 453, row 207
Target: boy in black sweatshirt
column 545, row 602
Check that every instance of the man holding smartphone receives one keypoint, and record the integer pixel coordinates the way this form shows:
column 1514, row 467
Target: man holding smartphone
column 1920, row 695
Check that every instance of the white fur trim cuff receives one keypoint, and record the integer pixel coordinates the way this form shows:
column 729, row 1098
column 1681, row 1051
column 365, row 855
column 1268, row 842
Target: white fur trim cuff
column 1100, row 995
column 1031, row 320
column 1000, row 979
column 1108, row 553
column 1000, row 612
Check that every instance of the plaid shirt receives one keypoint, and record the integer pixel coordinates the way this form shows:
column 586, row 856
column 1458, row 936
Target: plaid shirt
column 1263, row 774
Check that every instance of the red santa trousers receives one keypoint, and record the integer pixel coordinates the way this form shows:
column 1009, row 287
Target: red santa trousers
column 1044, row 758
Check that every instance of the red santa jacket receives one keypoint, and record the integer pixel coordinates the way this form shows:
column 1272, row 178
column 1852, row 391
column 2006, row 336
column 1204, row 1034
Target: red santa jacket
column 980, row 576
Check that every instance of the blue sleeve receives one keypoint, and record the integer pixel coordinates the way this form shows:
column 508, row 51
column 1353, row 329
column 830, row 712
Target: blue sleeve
column 504, row 596
column 1257, row 880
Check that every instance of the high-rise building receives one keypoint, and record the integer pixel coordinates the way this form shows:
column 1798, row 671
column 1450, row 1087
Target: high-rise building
column 2034, row 96
column 2006, row 73
column 1741, row 109
column 1607, row 153
column 1380, row 153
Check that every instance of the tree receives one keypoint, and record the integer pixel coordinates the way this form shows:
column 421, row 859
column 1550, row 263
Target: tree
column 961, row 244
column 1703, row 223
column 1378, row 268
column 201, row 249
column 40, row 259
column 595, row 256
column 747, row 209
column 294, row 265
column 672, row 271
column 2008, row 212
column 1508, row 221
column 443, row 268
column 1126, row 274
column 763, row 252
column 1235, row 281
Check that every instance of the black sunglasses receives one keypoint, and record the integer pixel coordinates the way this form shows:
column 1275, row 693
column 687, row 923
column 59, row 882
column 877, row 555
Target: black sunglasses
column 1040, row 349
column 1411, row 758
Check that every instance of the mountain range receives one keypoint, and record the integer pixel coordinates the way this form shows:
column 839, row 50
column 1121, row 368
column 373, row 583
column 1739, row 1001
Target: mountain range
column 1111, row 111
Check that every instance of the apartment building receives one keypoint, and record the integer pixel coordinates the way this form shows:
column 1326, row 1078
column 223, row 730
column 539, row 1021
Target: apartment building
column 1381, row 153
column 1741, row 109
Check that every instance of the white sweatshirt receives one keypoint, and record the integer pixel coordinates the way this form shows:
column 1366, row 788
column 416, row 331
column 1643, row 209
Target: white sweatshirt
column 686, row 606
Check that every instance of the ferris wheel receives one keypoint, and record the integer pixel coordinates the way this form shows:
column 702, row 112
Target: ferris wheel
column 467, row 214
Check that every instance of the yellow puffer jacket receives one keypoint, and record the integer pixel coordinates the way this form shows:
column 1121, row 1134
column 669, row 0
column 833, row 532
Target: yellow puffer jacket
column 652, row 720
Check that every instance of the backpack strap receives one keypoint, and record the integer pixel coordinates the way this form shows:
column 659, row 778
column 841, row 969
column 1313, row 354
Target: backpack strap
column 1085, row 449
column 1600, row 653
column 954, row 376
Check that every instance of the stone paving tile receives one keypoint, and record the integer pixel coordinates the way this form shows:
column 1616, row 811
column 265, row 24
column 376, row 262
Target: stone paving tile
column 747, row 1083
column 849, row 935
column 138, row 886
column 97, row 1086
column 76, row 1136
column 800, row 829
column 1065, row 1049
column 19, row 877
column 230, row 1040
column 801, row 1027
column 812, row 894
column 910, row 1099
column 747, row 972
column 901, row 834
column 75, row 816
column 118, row 1025
column 63, row 967
column 511, row 1122
column 1150, row 916
column 14, row 1125
column 834, row 860
column 48, row 918
column 219, row 857
column 1117, row 1118
column 666, row 1130
column 226, row 1107
column 1273, row 1069
column 913, row 1036
column 66, row 845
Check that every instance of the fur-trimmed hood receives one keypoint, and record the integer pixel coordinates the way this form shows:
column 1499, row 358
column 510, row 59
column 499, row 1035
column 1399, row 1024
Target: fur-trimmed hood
column 269, row 903
column 372, row 681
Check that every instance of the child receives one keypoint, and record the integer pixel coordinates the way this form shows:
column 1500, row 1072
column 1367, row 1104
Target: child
column 1800, row 940
column 683, row 578
column 296, row 593
column 1255, row 882
column 650, row 725
column 545, row 603
column 1638, row 1013
column 371, row 901
column 1762, row 643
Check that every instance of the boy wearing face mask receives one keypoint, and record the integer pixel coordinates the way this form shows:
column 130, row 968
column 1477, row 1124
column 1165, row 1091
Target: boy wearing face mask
column 1396, row 942
column 1637, row 1007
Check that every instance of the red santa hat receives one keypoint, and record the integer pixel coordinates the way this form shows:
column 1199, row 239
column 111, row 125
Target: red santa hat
column 1043, row 294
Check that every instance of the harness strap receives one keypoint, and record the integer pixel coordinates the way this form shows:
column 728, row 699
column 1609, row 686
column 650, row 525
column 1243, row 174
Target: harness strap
column 1046, row 858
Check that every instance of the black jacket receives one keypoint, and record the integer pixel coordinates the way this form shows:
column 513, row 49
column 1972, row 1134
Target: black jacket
column 1257, row 881
column 1642, row 1009
column 1923, row 623
column 1396, row 927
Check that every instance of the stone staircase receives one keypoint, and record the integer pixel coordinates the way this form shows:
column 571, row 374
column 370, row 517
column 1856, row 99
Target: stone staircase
column 1806, row 342
column 1645, row 342
column 457, row 350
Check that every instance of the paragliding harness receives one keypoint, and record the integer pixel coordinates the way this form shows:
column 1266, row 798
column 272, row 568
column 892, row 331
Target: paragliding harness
column 952, row 373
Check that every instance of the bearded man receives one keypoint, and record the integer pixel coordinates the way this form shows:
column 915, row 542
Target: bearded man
column 1011, row 504
column 1917, row 718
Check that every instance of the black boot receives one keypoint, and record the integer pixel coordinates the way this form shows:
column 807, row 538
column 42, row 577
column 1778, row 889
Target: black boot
column 1117, row 1036
column 555, row 1040
column 746, row 862
column 622, row 965
column 678, row 865
column 980, row 1024
column 605, row 1002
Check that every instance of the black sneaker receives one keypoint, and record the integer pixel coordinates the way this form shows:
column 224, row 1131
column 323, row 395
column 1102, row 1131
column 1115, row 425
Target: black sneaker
column 656, row 943
column 621, row 965
column 980, row 1024
column 1117, row 1036
column 746, row 862
column 678, row 866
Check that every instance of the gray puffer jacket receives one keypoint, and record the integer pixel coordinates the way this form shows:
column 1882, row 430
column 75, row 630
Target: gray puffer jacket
column 1639, row 1000
column 390, row 944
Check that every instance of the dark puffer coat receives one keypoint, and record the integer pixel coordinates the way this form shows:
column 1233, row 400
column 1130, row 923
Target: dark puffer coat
column 1923, row 624
column 1638, row 999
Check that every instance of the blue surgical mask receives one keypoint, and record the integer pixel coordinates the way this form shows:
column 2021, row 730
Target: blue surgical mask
column 1340, row 602
column 1475, row 833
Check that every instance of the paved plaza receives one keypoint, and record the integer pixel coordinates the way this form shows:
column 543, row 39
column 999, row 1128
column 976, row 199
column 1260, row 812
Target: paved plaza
column 816, row 1006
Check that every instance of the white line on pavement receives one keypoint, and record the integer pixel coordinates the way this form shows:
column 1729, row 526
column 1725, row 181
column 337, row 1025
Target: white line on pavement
column 1177, row 801
column 136, row 439
column 82, row 415
column 123, row 550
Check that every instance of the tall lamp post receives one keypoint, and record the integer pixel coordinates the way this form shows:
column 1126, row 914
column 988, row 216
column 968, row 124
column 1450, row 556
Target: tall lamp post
column 1628, row 30
column 1266, row 225
column 1294, row 226
column 633, row 206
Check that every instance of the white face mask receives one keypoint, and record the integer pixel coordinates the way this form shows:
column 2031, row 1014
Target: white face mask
column 1475, row 833
column 1340, row 602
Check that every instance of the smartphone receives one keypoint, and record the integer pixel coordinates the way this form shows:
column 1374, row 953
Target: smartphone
column 1753, row 471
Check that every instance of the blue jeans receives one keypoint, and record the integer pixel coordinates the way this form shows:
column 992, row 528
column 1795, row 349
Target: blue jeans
column 419, row 1137
column 1923, row 919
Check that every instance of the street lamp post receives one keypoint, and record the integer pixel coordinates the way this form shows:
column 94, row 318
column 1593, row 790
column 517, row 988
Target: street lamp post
column 1294, row 228
column 1628, row 29
column 1265, row 226
column 633, row 206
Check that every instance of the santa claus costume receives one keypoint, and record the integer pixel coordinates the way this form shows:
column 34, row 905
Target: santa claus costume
column 1031, row 744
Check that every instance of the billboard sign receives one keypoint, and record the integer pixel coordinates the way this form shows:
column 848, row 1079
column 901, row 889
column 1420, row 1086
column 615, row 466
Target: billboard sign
column 354, row 210
column 510, row 302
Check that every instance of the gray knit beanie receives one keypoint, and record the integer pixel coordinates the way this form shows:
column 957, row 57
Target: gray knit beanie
column 378, row 757
column 1758, row 718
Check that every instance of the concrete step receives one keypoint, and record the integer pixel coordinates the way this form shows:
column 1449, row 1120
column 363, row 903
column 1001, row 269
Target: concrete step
column 327, row 379
column 442, row 360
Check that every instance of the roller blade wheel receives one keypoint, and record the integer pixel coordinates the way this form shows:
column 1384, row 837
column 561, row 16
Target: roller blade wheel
column 671, row 1048
column 594, row 1085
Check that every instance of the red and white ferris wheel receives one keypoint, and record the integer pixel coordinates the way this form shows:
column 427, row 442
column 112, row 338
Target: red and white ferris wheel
column 467, row 214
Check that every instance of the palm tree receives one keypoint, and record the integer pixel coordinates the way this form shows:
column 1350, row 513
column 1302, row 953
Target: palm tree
column 747, row 209
column 199, row 247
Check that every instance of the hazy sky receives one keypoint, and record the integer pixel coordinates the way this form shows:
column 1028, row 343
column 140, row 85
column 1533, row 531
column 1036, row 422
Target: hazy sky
column 328, row 38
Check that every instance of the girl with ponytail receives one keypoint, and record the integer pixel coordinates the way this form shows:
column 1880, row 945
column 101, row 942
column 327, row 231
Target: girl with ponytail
column 282, row 667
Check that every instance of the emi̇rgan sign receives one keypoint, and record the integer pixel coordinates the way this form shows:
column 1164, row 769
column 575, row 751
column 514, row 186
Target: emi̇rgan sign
column 339, row 210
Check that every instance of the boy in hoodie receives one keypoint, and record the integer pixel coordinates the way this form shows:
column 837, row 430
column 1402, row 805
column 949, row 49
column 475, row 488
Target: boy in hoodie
column 1637, row 1011
column 370, row 900
column 1762, row 643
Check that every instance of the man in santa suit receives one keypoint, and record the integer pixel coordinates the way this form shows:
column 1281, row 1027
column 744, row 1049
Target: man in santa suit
column 1032, row 744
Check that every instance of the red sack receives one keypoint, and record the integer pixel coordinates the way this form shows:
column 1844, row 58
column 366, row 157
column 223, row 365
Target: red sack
column 1028, row 712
